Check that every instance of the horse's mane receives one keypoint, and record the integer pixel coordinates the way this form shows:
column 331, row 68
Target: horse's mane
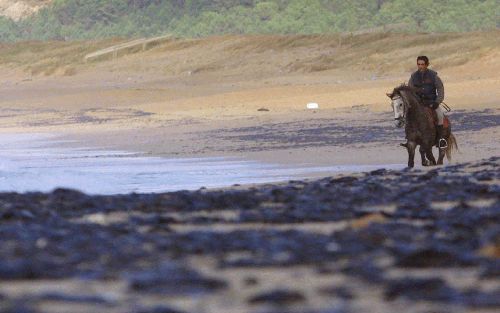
column 403, row 87
column 408, row 93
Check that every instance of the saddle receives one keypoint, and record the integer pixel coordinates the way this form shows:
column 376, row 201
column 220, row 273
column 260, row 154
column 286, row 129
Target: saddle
column 432, row 116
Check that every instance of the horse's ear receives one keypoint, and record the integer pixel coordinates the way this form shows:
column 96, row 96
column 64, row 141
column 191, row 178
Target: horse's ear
column 389, row 95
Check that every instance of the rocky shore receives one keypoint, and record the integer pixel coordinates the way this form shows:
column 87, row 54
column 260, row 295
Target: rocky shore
column 383, row 241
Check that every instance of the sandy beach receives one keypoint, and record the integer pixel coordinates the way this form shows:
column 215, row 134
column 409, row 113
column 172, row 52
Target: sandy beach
column 379, row 240
column 246, row 96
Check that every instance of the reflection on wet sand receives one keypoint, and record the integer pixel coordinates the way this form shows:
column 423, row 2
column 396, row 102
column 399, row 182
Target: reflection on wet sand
column 37, row 162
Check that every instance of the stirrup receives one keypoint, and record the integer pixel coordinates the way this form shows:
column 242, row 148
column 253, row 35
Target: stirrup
column 442, row 144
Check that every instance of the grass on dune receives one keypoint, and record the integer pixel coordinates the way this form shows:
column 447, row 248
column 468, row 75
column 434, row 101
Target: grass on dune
column 378, row 52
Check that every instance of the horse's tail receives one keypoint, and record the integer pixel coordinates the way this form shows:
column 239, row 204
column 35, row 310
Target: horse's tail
column 452, row 145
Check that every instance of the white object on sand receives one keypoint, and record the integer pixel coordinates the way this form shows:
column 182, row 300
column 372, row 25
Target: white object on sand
column 312, row 105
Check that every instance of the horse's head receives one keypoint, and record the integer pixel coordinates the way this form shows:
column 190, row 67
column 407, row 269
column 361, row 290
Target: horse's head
column 401, row 98
column 399, row 108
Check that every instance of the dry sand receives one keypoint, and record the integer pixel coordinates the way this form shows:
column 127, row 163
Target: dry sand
column 187, row 97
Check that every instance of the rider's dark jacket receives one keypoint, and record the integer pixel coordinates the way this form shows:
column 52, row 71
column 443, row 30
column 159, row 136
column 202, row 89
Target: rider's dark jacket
column 430, row 86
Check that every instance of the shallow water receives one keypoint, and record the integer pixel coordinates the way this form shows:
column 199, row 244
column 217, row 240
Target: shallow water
column 37, row 162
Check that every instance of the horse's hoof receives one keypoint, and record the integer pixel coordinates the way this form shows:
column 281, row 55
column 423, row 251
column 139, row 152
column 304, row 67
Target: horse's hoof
column 443, row 144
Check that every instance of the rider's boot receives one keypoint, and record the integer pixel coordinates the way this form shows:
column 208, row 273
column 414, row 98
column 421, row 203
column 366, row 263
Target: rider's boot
column 442, row 143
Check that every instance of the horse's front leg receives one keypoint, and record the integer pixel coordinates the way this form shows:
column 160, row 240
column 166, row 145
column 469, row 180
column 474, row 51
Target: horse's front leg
column 410, row 146
column 423, row 153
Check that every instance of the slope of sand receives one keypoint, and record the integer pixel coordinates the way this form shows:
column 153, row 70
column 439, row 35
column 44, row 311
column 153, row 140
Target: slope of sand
column 202, row 96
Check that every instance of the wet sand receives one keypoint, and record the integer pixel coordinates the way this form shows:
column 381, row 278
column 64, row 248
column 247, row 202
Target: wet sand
column 41, row 162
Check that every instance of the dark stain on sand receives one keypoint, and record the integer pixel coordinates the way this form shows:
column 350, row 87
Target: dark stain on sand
column 335, row 132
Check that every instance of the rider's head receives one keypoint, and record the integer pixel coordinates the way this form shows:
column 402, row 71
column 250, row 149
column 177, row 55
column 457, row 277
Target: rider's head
column 422, row 63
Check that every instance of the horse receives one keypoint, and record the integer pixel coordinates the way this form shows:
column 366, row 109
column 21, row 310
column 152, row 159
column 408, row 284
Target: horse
column 420, row 127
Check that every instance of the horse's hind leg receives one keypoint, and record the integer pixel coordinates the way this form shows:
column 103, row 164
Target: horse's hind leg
column 430, row 156
column 442, row 153
column 422, row 151
column 410, row 146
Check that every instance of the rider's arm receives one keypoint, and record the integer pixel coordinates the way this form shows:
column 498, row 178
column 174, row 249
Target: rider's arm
column 440, row 90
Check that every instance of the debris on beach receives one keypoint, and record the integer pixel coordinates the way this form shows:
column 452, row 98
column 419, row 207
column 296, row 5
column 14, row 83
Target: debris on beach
column 425, row 238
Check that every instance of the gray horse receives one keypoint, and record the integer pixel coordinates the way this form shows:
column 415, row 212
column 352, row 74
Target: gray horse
column 419, row 126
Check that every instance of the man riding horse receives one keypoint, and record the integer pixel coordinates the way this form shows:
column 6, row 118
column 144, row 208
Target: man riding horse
column 431, row 92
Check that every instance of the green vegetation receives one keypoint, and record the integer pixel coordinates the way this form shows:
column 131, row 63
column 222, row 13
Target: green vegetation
column 90, row 19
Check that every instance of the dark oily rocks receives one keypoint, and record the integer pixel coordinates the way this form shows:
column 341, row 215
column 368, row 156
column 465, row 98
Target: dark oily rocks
column 19, row 269
column 332, row 310
column 365, row 270
column 338, row 292
column 442, row 218
column 348, row 180
column 83, row 299
column 278, row 297
column 378, row 172
column 433, row 257
column 476, row 298
column 322, row 311
column 490, row 269
column 158, row 309
column 429, row 175
column 485, row 176
column 429, row 289
column 171, row 278
column 12, row 214
column 18, row 308
column 265, row 247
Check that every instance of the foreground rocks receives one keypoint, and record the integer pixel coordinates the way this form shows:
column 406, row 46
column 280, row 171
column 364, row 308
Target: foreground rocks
column 384, row 241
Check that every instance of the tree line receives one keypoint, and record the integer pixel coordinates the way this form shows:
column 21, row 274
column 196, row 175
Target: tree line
column 93, row 19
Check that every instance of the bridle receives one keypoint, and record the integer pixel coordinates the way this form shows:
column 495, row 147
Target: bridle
column 401, row 119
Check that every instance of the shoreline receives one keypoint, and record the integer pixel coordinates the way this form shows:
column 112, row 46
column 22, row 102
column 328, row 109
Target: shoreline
column 48, row 158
